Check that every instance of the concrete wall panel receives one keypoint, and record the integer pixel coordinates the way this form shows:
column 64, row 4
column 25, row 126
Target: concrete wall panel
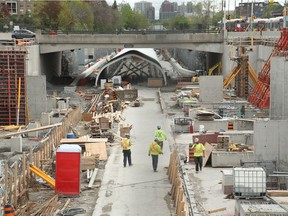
column 211, row 88
column 36, row 96
column 270, row 140
column 279, row 89
column 33, row 61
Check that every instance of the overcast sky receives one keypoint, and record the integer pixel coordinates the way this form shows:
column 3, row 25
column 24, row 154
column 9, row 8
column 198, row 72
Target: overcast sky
column 230, row 4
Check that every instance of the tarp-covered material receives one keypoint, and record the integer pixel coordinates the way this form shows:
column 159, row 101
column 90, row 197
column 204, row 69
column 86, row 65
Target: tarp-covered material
column 146, row 54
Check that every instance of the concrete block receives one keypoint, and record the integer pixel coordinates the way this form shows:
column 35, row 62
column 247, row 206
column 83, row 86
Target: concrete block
column 61, row 104
column 36, row 96
column 54, row 120
column 70, row 88
column 16, row 144
column 45, row 119
column 211, row 89
column 51, row 103
column 33, row 125
column 230, row 159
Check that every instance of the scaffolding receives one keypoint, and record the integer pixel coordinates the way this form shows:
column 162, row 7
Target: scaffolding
column 260, row 95
column 13, row 86
column 241, row 73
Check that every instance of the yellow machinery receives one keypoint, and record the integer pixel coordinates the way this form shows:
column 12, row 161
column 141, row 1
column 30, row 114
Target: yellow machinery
column 42, row 175
column 216, row 66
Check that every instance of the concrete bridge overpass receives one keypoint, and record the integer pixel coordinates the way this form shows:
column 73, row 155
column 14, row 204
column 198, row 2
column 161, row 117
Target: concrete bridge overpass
column 207, row 42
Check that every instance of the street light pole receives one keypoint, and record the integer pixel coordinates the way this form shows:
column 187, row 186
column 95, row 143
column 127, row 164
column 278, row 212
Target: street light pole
column 224, row 14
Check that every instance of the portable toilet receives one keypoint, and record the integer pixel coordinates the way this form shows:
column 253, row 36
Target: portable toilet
column 68, row 161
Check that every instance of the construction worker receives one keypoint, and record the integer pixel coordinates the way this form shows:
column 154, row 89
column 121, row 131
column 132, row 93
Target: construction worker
column 126, row 145
column 154, row 151
column 161, row 135
column 199, row 153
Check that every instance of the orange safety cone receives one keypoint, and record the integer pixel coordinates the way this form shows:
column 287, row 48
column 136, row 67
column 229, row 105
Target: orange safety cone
column 230, row 126
column 9, row 210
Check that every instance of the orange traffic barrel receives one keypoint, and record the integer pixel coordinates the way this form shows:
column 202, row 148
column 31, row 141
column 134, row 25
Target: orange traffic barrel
column 191, row 154
column 9, row 210
column 230, row 126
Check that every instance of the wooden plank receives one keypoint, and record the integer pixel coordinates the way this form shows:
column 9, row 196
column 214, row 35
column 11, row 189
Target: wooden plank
column 216, row 210
column 97, row 148
column 83, row 140
column 91, row 182
column 208, row 150
column 31, row 130
column 277, row 193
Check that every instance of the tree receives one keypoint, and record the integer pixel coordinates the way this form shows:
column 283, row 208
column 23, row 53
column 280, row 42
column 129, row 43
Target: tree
column 180, row 23
column 4, row 17
column 76, row 15
column 105, row 17
column 131, row 19
column 114, row 6
column 45, row 14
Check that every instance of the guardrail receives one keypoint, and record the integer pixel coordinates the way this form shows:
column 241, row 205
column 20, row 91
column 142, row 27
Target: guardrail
column 132, row 32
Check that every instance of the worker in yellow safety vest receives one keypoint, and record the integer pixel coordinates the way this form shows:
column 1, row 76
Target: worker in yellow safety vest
column 154, row 151
column 199, row 153
column 161, row 135
column 126, row 145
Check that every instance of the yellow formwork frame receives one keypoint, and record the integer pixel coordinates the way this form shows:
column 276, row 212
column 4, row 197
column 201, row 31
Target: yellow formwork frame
column 42, row 175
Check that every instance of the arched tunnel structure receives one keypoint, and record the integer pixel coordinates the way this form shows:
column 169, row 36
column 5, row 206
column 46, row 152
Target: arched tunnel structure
column 133, row 64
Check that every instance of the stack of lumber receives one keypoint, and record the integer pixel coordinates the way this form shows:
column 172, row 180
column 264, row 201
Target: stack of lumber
column 89, row 161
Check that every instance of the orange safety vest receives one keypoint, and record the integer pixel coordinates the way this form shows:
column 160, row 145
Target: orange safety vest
column 126, row 144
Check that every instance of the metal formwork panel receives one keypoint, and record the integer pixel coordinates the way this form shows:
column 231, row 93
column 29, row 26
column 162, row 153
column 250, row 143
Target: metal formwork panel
column 12, row 84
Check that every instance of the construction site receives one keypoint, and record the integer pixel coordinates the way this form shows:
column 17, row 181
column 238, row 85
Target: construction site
column 61, row 144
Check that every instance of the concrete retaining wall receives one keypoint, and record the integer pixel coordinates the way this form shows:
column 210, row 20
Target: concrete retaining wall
column 279, row 88
column 230, row 159
column 270, row 142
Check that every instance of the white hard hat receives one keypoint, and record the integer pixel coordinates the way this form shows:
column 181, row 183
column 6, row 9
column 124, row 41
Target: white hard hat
column 196, row 140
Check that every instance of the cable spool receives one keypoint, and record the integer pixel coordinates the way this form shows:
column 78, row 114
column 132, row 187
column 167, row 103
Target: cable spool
column 9, row 210
column 230, row 126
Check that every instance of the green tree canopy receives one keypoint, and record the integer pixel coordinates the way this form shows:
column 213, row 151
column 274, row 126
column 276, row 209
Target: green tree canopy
column 105, row 17
column 180, row 23
column 45, row 14
column 131, row 19
column 76, row 15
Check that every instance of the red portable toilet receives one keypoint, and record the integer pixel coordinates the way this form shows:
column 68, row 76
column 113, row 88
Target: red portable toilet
column 68, row 161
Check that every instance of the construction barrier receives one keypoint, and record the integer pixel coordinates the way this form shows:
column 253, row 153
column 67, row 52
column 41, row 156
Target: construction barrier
column 9, row 210
column 230, row 126
column 191, row 154
column 177, row 192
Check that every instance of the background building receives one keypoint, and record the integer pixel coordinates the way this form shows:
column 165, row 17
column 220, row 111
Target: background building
column 168, row 10
column 146, row 9
column 259, row 10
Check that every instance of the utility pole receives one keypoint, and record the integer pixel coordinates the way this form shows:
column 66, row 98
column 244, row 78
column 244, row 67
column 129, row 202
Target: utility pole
column 252, row 13
column 284, row 15
column 224, row 14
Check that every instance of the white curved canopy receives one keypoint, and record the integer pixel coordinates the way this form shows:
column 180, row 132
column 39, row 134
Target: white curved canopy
column 146, row 54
